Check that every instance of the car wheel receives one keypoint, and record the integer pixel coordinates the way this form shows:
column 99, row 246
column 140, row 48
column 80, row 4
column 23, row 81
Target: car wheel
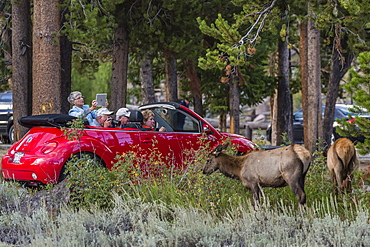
column 81, row 157
column 11, row 134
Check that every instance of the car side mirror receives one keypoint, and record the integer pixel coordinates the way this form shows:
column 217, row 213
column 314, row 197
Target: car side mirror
column 206, row 129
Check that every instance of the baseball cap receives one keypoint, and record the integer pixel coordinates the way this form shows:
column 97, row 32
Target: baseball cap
column 123, row 112
column 103, row 111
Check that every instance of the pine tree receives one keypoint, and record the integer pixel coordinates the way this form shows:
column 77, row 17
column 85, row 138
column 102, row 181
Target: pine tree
column 21, row 64
column 46, row 59
column 243, row 65
column 359, row 87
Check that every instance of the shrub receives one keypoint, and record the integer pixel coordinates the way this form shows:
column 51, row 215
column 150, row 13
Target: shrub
column 155, row 178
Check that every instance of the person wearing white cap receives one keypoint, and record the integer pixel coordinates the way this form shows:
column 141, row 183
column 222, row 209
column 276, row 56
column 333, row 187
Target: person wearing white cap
column 103, row 118
column 123, row 116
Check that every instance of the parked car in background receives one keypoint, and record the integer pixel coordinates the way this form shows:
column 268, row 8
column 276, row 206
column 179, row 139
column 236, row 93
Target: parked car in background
column 341, row 111
column 40, row 156
column 6, row 117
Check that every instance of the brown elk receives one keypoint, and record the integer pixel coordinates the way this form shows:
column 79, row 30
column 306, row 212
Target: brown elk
column 341, row 161
column 271, row 168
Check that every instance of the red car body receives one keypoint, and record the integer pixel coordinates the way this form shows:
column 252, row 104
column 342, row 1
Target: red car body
column 38, row 158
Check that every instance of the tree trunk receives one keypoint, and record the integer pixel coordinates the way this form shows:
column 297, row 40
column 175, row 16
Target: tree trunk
column 341, row 60
column 66, row 62
column 118, row 83
column 6, row 48
column 147, row 86
column 284, row 98
column 303, row 58
column 46, row 58
column 222, row 122
column 274, row 117
column 21, row 64
column 171, row 76
column 272, row 71
column 195, row 86
column 314, row 88
column 234, row 104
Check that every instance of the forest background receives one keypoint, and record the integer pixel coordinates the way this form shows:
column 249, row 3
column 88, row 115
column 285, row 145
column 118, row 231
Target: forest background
column 220, row 54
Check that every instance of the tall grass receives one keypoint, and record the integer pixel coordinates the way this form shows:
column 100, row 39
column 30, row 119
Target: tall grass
column 135, row 222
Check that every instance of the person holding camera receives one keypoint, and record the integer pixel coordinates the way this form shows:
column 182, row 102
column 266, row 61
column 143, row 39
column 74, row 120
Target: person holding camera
column 122, row 117
column 103, row 118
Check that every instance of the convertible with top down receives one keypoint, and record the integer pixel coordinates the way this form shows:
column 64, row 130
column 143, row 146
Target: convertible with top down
column 41, row 155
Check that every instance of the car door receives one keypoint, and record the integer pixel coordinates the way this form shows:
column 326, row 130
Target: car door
column 120, row 142
column 158, row 151
column 167, row 142
column 189, row 133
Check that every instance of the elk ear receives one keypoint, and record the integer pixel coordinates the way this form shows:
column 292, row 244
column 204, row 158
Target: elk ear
column 224, row 147
column 218, row 149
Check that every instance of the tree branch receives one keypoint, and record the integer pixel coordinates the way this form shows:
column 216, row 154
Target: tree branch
column 263, row 14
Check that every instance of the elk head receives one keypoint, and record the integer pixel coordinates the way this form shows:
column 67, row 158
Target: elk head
column 212, row 164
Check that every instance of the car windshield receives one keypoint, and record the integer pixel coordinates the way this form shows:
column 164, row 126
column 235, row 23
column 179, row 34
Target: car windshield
column 6, row 97
column 175, row 120
column 348, row 109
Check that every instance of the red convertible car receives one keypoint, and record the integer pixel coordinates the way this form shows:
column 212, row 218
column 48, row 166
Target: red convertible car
column 39, row 157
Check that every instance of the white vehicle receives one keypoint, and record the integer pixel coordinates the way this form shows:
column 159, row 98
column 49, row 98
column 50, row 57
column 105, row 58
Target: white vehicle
column 6, row 117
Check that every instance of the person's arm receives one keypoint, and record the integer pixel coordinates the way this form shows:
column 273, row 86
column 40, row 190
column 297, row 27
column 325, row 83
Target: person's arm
column 76, row 112
column 94, row 103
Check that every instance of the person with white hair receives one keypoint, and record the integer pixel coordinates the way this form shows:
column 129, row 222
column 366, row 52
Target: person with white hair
column 79, row 109
column 122, row 116
column 103, row 118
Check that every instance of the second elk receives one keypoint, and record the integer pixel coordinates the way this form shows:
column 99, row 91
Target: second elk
column 273, row 168
column 341, row 161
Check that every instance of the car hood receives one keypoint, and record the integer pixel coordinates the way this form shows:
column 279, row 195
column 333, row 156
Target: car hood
column 5, row 106
column 239, row 139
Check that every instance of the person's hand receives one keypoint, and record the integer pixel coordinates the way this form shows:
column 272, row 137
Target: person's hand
column 108, row 123
column 94, row 103
column 106, row 103
column 162, row 129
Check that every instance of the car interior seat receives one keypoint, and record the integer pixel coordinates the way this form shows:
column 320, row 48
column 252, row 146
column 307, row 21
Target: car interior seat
column 136, row 117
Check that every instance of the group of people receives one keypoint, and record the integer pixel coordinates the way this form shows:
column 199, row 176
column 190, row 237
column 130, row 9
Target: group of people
column 102, row 117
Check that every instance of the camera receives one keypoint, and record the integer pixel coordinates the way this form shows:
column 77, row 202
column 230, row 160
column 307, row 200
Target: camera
column 114, row 122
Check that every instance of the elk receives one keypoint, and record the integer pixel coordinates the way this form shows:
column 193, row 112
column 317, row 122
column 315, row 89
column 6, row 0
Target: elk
column 271, row 168
column 341, row 161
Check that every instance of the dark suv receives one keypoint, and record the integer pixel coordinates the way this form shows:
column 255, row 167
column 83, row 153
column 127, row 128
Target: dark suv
column 6, row 117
